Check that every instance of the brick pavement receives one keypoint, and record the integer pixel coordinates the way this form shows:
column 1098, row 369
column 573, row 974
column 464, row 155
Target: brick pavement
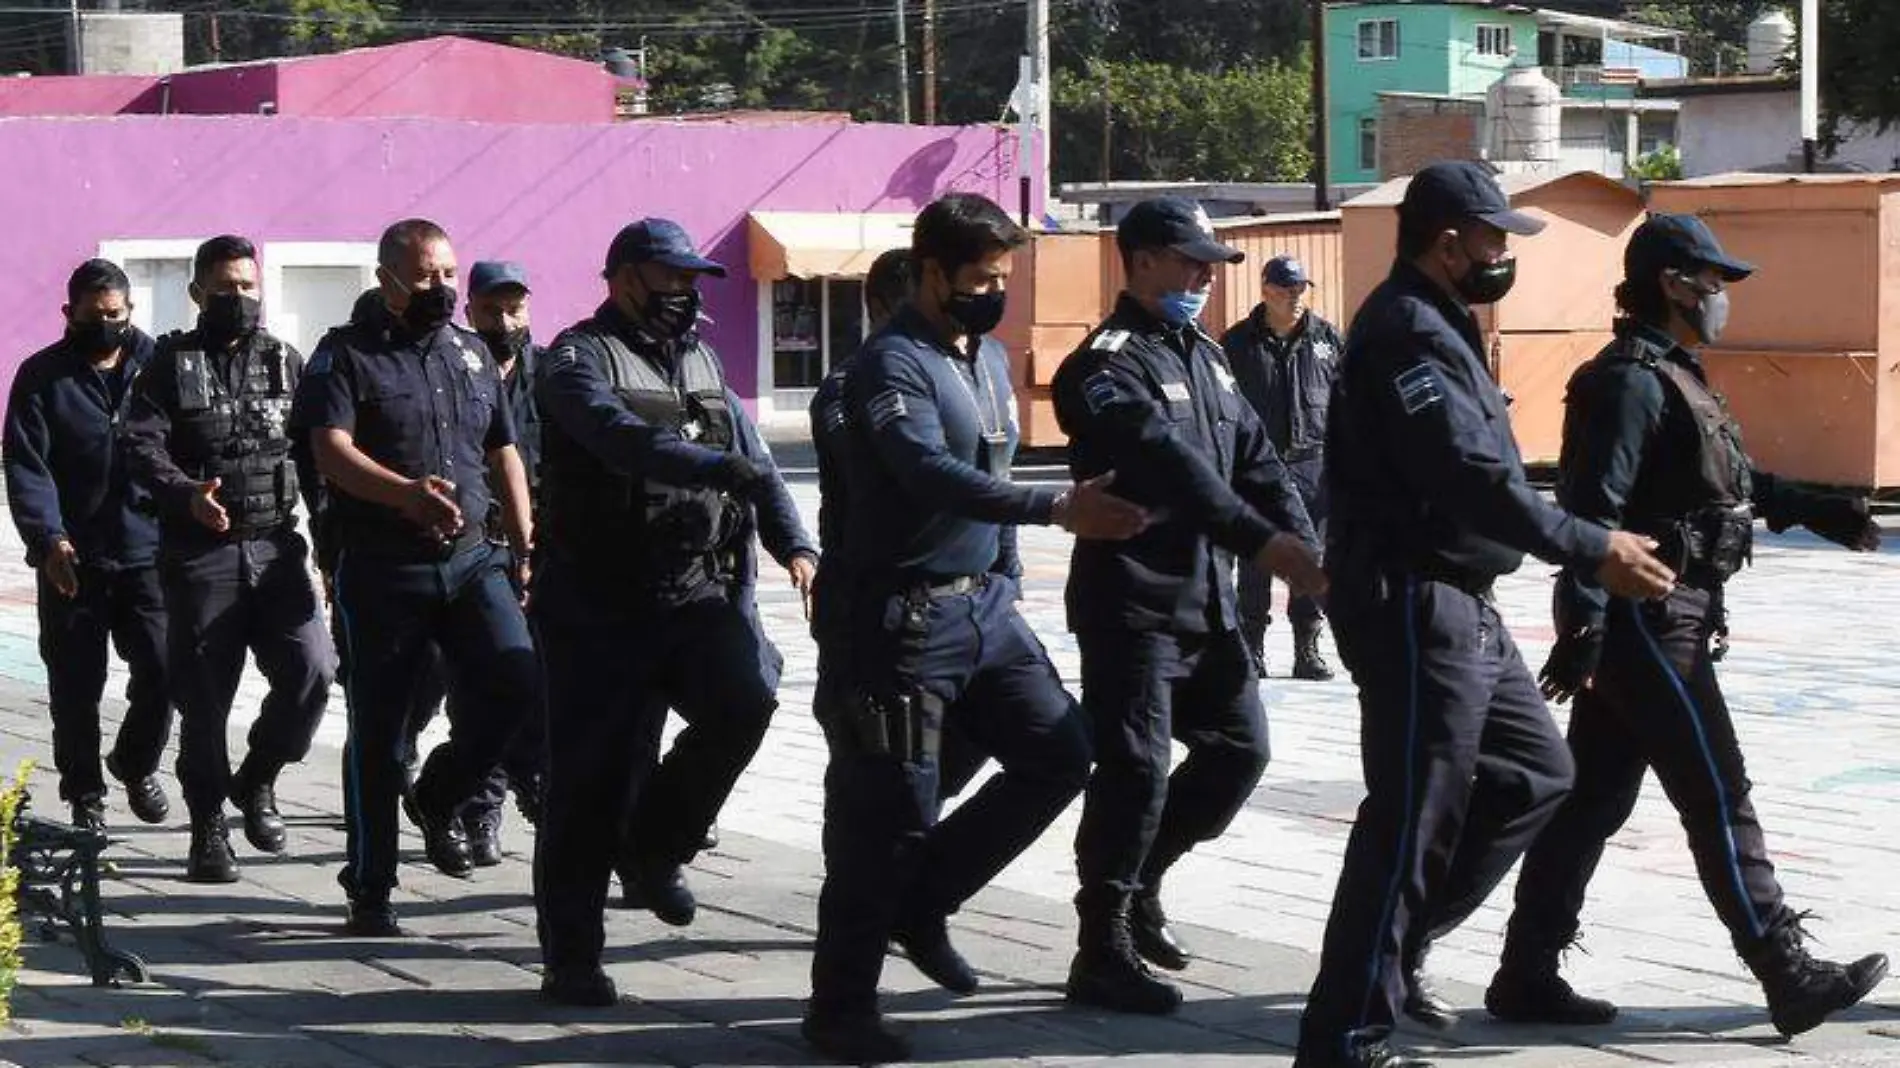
column 257, row 973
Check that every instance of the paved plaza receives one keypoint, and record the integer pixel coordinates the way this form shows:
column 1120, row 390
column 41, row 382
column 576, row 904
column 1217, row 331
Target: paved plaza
column 258, row 973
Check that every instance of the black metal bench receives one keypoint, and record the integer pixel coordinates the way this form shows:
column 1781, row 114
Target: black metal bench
column 59, row 888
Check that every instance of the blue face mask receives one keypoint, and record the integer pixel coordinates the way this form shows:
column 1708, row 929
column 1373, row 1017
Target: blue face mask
column 1179, row 308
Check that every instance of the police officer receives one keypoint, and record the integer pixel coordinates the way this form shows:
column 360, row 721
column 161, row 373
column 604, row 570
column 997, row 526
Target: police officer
column 651, row 473
column 1150, row 396
column 499, row 313
column 1283, row 356
column 1651, row 448
column 208, row 434
column 887, row 286
column 89, row 533
column 408, row 418
column 1429, row 506
column 935, row 637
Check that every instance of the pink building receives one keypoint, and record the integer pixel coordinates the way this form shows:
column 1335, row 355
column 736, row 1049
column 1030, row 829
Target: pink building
column 514, row 152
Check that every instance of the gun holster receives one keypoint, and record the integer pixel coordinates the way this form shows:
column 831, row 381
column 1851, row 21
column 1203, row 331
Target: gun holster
column 908, row 727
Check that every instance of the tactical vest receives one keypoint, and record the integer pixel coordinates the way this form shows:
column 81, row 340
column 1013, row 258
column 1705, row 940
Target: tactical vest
column 671, row 531
column 1695, row 502
column 239, row 438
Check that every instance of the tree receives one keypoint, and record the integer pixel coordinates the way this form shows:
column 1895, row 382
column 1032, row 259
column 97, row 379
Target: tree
column 1245, row 124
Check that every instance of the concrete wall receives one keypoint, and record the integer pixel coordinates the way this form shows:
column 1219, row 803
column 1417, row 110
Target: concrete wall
column 1728, row 132
column 550, row 196
column 130, row 42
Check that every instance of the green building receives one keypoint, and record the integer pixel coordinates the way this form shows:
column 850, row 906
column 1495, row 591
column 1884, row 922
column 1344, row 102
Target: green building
column 1458, row 48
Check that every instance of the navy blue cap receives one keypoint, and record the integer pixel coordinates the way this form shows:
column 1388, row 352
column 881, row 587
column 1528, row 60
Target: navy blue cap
column 1285, row 272
column 658, row 241
column 1176, row 223
column 493, row 274
column 1682, row 242
column 1451, row 192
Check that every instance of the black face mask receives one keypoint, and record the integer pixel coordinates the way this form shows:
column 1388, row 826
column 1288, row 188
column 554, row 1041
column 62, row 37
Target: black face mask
column 506, row 346
column 976, row 314
column 429, row 309
column 228, row 318
column 1487, row 283
column 99, row 338
column 671, row 315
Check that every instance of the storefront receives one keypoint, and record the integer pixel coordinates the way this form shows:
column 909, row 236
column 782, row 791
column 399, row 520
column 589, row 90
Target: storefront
column 810, row 267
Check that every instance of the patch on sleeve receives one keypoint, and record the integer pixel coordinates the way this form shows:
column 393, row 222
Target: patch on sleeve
column 1110, row 341
column 319, row 362
column 1099, row 391
column 1225, row 376
column 886, row 408
column 1418, row 389
column 833, row 416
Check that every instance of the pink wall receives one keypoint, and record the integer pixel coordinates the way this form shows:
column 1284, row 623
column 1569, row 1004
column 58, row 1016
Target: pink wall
column 549, row 196
column 98, row 94
column 441, row 78
column 447, row 78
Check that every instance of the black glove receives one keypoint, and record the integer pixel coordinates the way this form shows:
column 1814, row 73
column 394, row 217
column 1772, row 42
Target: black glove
column 1844, row 521
column 745, row 478
column 1572, row 666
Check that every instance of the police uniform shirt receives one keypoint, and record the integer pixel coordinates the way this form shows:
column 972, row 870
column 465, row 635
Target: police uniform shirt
column 1159, row 406
column 1288, row 380
column 1422, row 470
column 934, row 431
column 156, row 403
column 518, row 393
column 65, row 476
column 419, row 406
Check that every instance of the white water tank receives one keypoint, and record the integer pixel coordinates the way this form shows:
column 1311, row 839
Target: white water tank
column 1523, row 117
column 1771, row 41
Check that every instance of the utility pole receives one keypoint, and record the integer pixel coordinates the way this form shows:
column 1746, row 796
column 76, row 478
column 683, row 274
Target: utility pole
column 217, row 46
column 903, row 65
column 1810, row 82
column 1322, row 162
column 1108, row 121
column 1042, row 82
column 930, row 62
column 79, row 49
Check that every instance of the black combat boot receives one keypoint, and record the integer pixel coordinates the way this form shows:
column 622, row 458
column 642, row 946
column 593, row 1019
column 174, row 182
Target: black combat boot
column 89, row 813
column 1154, row 939
column 1423, row 1002
column 1107, row 972
column 254, row 792
column 927, row 943
column 1368, row 1055
column 854, row 1038
column 1802, row 991
column 482, row 824
column 1528, row 988
column 660, row 889
column 145, row 796
column 583, row 988
column 1308, row 664
column 210, row 859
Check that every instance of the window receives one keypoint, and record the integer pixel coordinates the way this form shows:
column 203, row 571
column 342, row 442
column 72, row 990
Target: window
column 309, row 286
column 1379, row 39
column 1368, row 144
column 1494, row 40
column 160, row 272
column 815, row 323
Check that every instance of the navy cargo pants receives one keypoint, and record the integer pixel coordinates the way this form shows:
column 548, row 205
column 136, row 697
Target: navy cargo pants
column 972, row 663
column 391, row 609
column 118, row 608
column 1463, row 766
column 244, row 596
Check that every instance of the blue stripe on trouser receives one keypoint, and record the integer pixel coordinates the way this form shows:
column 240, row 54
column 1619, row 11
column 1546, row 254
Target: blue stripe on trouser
column 1708, row 759
column 1409, row 827
column 352, row 745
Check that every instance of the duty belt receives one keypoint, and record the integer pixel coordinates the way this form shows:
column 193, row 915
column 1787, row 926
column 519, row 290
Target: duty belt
column 931, row 590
